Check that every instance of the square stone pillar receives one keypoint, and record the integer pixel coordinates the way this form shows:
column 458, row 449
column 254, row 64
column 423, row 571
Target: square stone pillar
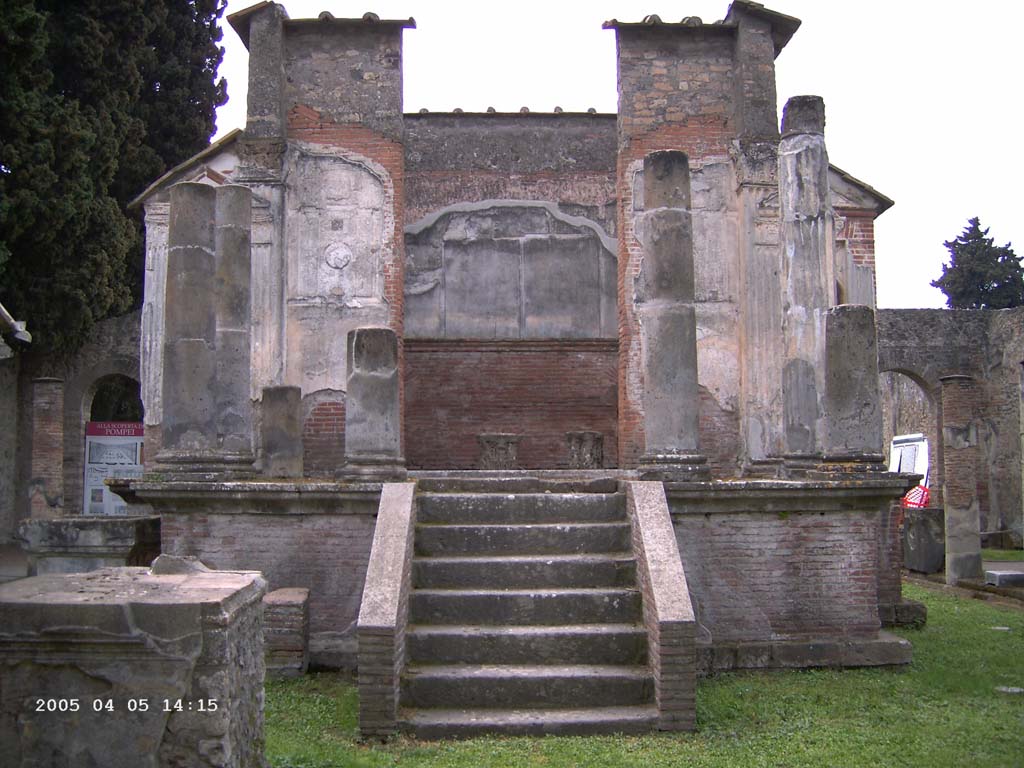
column 207, row 409
column 281, row 432
column 134, row 667
column 373, row 417
column 960, row 483
column 853, row 404
column 668, row 323
column 46, row 486
column 805, row 209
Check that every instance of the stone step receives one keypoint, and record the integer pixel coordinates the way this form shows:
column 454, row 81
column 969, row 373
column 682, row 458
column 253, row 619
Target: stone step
column 523, row 571
column 466, row 723
column 594, row 643
column 524, row 686
column 563, row 538
column 516, row 482
column 462, row 508
column 525, row 606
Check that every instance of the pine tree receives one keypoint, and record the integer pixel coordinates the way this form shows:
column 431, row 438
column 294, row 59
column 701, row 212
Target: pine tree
column 981, row 275
column 97, row 99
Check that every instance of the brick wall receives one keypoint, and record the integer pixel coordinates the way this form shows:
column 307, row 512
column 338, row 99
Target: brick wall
column 112, row 348
column 890, row 555
column 323, row 434
column 755, row 574
column 568, row 159
column 1004, row 460
column 8, row 445
column 541, row 390
column 859, row 232
column 324, row 553
column 46, row 486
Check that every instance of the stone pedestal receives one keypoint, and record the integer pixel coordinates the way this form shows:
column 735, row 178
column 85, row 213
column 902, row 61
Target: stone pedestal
column 373, row 418
column 853, row 407
column 80, row 544
column 924, row 540
column 960, row 481
column 46, row 490
column 668, row 323
column 130, row 667
column 499, row 450
column 281, row 432
column 806, row 216
column 586, row 450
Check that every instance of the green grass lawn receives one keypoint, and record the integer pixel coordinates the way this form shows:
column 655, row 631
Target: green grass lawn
column 942, row 710
column 1002, row 554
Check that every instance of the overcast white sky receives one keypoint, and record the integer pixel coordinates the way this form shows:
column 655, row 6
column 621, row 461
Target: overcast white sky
column 918, row 95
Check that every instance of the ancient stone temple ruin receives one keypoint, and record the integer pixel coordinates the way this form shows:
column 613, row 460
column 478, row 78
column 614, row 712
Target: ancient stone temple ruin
column 551, row 413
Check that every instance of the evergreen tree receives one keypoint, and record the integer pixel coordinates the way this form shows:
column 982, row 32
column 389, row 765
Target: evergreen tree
column 82, row 96
column 981, row 275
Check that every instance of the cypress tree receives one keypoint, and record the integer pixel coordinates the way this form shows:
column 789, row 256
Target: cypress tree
column 981, row 275
column 97, row 99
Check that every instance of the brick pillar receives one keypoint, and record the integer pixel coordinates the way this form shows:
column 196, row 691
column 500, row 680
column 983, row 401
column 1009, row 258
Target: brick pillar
column 805, row 210
column 46, row 487
column 668, row 322
column 960, row 484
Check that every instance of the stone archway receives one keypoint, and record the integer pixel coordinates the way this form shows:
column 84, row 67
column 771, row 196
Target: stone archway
column 909, row 406
column 114, row 397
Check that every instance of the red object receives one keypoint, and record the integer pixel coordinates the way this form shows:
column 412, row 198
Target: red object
column 917, row 497
column 114, row 428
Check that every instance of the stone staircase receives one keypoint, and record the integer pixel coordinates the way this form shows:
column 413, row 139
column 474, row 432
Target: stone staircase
column 525, row 616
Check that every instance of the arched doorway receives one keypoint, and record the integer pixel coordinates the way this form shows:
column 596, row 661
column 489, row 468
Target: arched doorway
column 113, row 440
column 908, row 408
column 116, row 398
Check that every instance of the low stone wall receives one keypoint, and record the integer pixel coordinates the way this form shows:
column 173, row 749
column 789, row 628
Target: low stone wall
column 777, row 561
column 304, row 534
column 668, row 614
column 132, row 667
column 80, row 544
column 384, row 612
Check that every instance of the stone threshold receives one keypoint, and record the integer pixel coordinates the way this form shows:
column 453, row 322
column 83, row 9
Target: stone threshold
column 885, row 649
column 1011, row 597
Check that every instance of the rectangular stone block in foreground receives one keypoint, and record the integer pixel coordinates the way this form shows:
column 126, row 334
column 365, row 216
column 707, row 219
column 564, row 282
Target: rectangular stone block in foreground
column 1006, row 578
column 121, row 667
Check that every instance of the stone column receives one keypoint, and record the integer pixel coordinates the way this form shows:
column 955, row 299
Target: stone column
column 853, row 406
column 188, row 430
column 668, row 323
column 373, row 418
column 46, row 485
column 960, row 485
column 805, row 211
column 233, row 402
column 281, row 432
column 761, row 309
column 207, row 411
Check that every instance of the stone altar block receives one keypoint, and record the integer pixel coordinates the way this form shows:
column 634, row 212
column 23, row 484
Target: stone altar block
column 133, row 667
